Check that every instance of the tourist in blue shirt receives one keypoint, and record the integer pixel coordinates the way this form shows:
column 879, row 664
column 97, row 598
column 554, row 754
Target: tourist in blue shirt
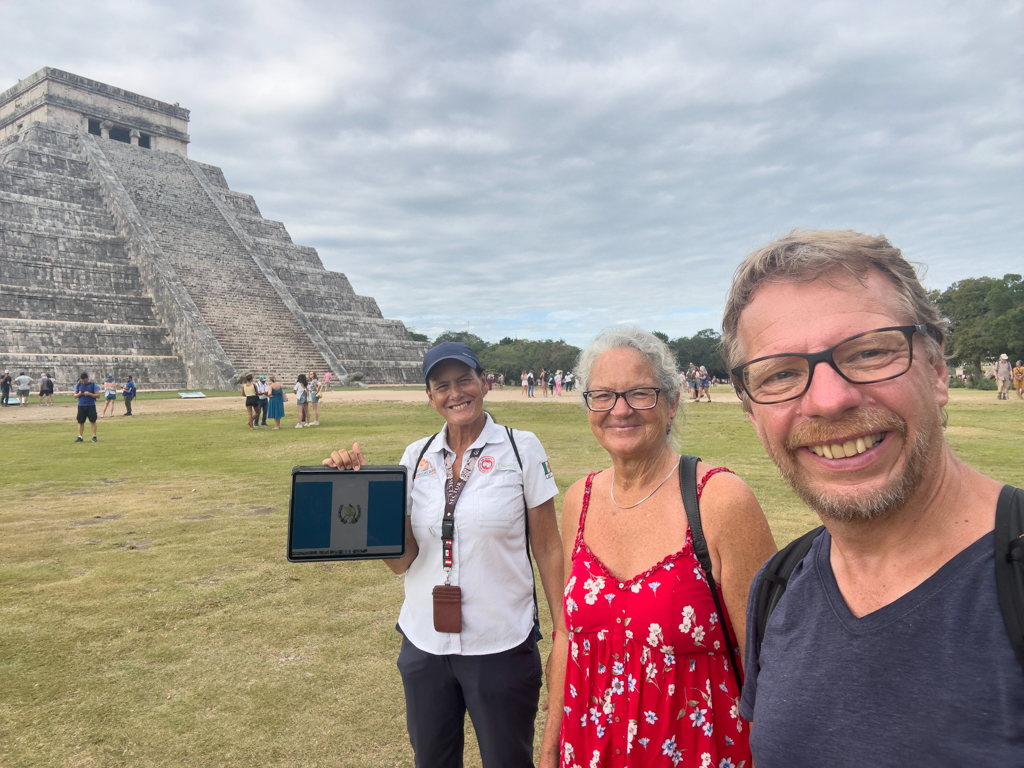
column 128, row 392
column 87, row 392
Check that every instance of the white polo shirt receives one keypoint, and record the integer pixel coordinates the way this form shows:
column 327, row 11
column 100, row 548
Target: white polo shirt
column 490, row 561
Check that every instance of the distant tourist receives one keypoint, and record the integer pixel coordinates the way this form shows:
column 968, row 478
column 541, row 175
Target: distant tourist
column 5, row 388
column 302, row 399
column 252, row 400
column 88, row 393
column 530, row 382
column 109, row 395
column 314, row 399
column 45, row 389
column 522, row 380
column 262, row 391
column 704, row 382
column 275, row 409
column 1003, row 376
column 328, row 378
column 558, row 383
column 1018, row 379
column 24, row 383
column 128, row 393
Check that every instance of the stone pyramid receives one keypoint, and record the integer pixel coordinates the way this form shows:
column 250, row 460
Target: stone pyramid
column 120, row 255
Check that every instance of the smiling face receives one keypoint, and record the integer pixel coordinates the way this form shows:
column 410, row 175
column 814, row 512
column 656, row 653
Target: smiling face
column 623, row 431
column 456, row 392
column 850, row 451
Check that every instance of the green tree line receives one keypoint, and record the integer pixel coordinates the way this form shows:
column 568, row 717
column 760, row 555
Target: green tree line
column 513, row 356
column 986, row 319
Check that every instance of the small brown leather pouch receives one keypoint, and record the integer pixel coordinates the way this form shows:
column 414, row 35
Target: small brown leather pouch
column 447, row 608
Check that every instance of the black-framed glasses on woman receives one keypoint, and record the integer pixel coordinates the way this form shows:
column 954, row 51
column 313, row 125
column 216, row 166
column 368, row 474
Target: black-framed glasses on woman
column 638, row 398
column 867, row 358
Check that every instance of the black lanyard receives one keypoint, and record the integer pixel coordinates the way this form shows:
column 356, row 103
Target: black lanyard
column 452, row 491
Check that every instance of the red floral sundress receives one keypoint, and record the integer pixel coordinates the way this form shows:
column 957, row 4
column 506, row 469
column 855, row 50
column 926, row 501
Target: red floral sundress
column 648, row 680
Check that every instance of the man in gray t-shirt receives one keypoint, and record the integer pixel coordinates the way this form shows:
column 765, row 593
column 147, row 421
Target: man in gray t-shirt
column 888, row 646
column 24, row 384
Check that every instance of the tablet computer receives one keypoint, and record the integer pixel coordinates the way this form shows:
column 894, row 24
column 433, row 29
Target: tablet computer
column 347, row 515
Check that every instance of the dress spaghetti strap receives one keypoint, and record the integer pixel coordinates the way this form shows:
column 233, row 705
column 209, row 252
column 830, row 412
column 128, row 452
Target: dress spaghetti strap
column 583, row 513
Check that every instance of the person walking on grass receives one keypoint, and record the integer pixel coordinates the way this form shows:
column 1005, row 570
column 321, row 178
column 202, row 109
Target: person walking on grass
column 109, row 396
column 252, row 400
column 302, row 399
column 1018, row 379
column 1003, row 376
column 328, row 378
column 704, row 378
column 275, row 408
column 314, row 398
column 87, row 393
column 522, row 380
column 5, row 388
column 128, row 393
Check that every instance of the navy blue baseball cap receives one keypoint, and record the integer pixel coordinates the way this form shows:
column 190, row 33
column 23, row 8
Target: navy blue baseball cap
column 450, row 350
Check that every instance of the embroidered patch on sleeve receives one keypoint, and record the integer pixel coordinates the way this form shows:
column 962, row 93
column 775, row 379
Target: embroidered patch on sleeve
column 547, row 469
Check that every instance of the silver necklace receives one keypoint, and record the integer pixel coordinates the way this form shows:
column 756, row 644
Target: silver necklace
column 645, row 498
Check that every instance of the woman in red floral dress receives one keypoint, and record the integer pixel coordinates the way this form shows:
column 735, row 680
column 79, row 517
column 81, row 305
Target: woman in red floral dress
column 642, row 676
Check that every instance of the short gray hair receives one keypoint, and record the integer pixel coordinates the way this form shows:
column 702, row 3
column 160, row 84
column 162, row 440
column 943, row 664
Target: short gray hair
column 654, row 350
column 804, row 255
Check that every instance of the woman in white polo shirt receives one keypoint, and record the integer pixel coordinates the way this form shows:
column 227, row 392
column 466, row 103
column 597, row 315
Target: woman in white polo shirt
column 478, row 490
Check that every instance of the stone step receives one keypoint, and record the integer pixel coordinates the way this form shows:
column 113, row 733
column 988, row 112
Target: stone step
column 39, row 159
column 52, row 185
column 94, row 278
column 241, row 202
column 19, row 336
column 38, row 248
column 262, row 228
column 74, row 306
column 154, row 372
column 87, row 206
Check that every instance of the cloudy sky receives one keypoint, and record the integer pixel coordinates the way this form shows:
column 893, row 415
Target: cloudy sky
column 544, row 169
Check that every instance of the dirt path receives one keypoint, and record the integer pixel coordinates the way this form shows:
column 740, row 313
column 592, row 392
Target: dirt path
column 143, row 407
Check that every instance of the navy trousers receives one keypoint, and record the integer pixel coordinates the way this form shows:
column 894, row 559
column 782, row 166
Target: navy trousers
column 501, row 691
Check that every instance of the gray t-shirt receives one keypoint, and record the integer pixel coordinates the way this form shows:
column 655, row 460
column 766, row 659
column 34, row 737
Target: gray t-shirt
column 928, row 680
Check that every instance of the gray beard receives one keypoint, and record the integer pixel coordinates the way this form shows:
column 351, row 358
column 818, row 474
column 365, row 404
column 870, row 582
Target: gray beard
column 849, row 508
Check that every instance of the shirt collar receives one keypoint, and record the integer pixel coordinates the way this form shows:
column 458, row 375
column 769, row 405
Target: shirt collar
column 491, row 433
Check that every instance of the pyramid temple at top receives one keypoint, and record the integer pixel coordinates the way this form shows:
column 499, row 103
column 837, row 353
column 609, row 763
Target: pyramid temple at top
column 120, row 255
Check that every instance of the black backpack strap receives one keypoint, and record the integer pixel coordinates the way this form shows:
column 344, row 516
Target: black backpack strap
column 537, row 635
column 688, row 488
column 1009, row 557
column 416, row 466
column 775, row 579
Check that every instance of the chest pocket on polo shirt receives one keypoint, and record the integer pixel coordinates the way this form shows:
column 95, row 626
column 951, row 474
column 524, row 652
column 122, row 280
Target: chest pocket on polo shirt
column 500, row 499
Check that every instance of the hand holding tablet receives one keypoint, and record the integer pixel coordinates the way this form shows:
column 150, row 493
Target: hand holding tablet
column 342, row 459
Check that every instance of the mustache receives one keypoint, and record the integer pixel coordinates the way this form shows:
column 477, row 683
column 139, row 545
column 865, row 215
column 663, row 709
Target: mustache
column 857, row 423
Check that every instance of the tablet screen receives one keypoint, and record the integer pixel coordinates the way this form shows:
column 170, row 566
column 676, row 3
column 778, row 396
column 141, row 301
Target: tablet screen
column 347, row 515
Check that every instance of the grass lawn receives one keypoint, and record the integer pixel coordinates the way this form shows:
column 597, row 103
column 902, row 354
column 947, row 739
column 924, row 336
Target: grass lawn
column 148, row 615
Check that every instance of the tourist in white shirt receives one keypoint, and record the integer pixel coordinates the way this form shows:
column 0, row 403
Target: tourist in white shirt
column 492, row 666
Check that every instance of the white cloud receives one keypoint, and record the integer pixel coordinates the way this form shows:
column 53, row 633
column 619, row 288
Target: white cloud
column 546, row 169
